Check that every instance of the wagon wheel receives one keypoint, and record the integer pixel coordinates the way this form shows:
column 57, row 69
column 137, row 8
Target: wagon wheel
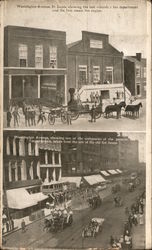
column 51, row 119
column 74, row 115
column 64, row 117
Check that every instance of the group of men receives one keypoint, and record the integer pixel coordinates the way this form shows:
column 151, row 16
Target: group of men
column 7, row 224
column 58, row 218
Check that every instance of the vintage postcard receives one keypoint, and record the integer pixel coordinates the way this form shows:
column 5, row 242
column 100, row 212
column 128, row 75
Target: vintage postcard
column 76, row 117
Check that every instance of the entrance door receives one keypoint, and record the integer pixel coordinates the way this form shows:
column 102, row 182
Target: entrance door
column 105, row 94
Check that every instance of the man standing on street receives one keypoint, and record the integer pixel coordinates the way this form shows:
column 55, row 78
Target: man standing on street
column 23, row 226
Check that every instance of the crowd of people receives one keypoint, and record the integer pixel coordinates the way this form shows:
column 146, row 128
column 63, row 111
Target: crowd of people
column 135, row 216
column 7, row 224
column 59, row 218
column 32, row 115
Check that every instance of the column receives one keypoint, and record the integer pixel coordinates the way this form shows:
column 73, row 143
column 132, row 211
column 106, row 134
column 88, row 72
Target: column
column 53, row 158
column 29, row 149
column 16, row 172
column 14, row 146
column 65, row 90
column 9, row 171
column 60, row 174
column 46, row 157
column 36, row 149
column 31, row 170
column 47, row 174
column 38, row 86
column 21, row 147
column 38, row 169
column 89, row 71
column 10, row 87
column 76, row 73
column 23, row 171
column 23, row 85
column 7, row 146
column 59, row 158
column 54, row 175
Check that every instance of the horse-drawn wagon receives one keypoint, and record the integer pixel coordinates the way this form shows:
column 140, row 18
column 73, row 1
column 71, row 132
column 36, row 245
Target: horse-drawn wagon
column 93, row 228
column 57, row 223
column 94, row 201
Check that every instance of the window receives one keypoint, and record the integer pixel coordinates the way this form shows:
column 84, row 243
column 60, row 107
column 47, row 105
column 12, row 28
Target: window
column 105, row 94
column 42, row 156
column 97, row 44
column 137, row 71
column 109, row 74
column 23, row 55
column 82, row 74
column 32, row 148
column 96, row 74
column 56, row 157
column 49, row 157
column 138, row 89
column 39, row 56
column 53, row 57
column 144, row 72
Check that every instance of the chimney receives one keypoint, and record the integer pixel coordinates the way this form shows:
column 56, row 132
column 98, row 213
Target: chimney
column 138, row 56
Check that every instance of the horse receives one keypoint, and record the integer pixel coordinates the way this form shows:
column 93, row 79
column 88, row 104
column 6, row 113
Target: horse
column 133, row 109
column 115, row 108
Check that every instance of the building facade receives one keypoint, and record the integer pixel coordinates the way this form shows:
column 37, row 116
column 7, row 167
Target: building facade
column 135, row 75
column 95, row 63
column 28, row 160
column 85, row 159
column 34, row 65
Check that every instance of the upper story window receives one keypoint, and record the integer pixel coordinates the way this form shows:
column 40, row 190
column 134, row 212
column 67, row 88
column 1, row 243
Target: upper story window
column 23, row 55
column 109, row 74
column 97, row 44
column 56, row 157
column 53, row 57
column 83, row 73
column 96, row 74
column 137, row 71
column 39, row 56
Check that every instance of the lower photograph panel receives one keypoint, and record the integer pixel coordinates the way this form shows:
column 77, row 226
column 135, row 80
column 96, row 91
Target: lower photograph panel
column 73, row 190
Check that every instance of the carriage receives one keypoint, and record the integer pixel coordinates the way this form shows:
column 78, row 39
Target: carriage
column 93, row 228
column 94, row 201
column 57, row 223
column 116, row 188
column 55, row 113
column 86, row 108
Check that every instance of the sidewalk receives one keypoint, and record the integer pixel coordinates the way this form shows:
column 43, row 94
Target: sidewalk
column 138, row 237
column 17, row 222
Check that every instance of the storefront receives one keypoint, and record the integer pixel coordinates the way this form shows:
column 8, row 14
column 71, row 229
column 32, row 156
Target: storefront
column 35, row 86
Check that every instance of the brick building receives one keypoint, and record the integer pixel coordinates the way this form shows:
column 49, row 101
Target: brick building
column 135, row 75
column 95, row 65
column 34, row 64
column 83, row 159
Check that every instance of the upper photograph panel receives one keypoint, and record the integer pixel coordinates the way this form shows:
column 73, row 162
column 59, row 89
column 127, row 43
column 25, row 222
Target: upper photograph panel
column 75, row 66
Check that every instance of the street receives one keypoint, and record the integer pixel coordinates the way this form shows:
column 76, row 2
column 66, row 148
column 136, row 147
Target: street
column 114, row 217
column 83, row 122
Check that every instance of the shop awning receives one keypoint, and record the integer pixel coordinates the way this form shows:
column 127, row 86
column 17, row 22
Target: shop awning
column 94, row 179
column 37, row 197
column 20, row 198
column 119, row 171
column 112, row 171
column 105, row 173
column 75, row 179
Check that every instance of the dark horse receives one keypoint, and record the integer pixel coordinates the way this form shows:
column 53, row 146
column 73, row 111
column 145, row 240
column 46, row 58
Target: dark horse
column 115, row 108
column 133, row 109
